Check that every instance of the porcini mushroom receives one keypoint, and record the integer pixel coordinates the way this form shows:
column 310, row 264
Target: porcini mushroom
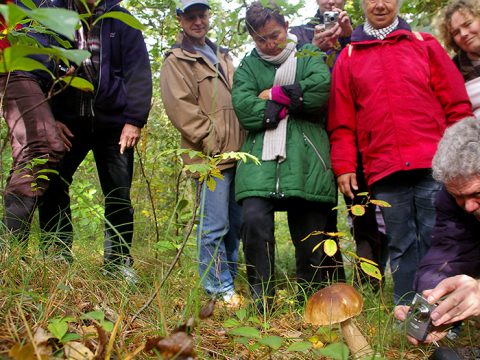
column 339, row 303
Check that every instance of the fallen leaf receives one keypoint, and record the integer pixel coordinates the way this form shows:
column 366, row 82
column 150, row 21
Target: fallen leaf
column 207, row 310
column 177, row 344
column 77, row 351
column 41, row 336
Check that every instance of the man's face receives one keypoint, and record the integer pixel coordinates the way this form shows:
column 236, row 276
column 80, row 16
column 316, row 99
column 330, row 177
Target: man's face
column 380, row 13
column 467, row 194
column 328, row 5
column 195, row 22
column 271, row 39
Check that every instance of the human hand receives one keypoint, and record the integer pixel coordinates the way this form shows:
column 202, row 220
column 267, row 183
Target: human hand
column 347, row 183
column 65, row 134
column 344, row 23
column 325, row 39
column 265, row 94
column 401, row 313
column 129, row 137
column 463, row 299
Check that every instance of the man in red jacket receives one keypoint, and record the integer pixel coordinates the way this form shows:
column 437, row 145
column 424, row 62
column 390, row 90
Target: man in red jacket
column 393, row 94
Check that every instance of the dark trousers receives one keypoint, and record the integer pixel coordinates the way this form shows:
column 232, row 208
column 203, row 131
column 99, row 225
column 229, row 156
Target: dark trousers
column 37, row 149
column 115, row 172
column 312, row 268
column 371, row 243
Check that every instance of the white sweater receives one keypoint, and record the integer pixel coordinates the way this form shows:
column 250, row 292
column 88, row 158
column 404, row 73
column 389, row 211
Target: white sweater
column 473, row 90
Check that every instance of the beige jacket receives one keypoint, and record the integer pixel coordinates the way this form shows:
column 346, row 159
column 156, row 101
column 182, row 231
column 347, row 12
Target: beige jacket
column 197, row 99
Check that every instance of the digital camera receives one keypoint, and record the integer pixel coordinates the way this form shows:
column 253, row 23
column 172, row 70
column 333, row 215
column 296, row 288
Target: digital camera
column 419, row 322
column 330, row 18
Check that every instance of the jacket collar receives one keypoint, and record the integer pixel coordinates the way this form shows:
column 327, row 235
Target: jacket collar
column 359, row 35
column 468, row 70
column 183, row 42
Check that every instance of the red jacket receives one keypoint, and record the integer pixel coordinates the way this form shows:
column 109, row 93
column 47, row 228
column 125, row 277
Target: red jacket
column 393, row 99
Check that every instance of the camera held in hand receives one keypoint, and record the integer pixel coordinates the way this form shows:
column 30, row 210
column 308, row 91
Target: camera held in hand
column 330, row 18
column 419, row 322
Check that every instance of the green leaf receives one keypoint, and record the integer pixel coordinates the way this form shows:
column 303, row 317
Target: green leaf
column 107, row 326
column 20, row 63
column 44, row 177
column 300, row 346
column 58, row 327
column 70, row 337
column 330, row 247
column 272, row 341
column 371, row 270
column 13, row 13
column 94, row 315
column 128, row 19
column 336, row 351
column 29, row 4
column 357, row 210
column 74, row 55
column 61, row 21
column 247, row 332
column 380, row 203
column 365, row 193
column 241, row 314
column 78, row 83
column 230, row 323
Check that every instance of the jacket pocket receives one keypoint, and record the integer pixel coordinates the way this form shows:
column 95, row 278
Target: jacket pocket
column 114, row 97
column 315, row 150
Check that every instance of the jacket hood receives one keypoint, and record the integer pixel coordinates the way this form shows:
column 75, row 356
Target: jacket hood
column 359, row 33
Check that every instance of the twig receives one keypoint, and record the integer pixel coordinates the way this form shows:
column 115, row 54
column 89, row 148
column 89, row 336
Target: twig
column 150, row 195
column 175, row 260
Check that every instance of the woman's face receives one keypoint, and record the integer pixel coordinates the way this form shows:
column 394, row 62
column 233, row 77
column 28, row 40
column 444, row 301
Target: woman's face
column 271, row 38
column 380, row 13
column 465, row 31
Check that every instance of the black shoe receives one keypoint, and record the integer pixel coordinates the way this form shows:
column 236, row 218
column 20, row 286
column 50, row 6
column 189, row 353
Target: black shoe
column 460, row 353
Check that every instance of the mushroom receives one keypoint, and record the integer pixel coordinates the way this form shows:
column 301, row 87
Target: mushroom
column 339, row 303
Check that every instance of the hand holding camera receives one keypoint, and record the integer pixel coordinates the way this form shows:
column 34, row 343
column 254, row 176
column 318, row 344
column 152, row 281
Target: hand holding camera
column 336, row 23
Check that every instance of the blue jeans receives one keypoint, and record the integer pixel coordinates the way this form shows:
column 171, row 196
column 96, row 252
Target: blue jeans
column 409, row 223
column 218, row 234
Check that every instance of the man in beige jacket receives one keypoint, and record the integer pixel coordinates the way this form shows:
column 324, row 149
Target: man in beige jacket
column 196, row 83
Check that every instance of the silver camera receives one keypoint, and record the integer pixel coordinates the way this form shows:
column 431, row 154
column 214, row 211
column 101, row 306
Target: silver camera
column 419, row 322
column 330, row 18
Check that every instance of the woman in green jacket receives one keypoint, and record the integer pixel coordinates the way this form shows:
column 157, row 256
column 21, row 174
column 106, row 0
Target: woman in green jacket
column 279, row 95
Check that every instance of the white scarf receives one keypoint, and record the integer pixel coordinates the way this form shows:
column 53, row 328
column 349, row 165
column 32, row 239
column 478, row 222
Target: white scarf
column 275, row 140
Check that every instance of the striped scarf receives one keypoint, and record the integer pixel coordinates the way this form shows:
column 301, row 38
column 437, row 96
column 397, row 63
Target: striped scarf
column 380, row 34
column 88, row 38
column 275, row 140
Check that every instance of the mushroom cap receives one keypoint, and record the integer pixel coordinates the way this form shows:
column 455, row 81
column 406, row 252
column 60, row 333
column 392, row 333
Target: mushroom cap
column 333, row 304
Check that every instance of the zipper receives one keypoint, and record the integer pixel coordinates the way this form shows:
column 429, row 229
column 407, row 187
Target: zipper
column 307, row 139
column 277, row 182
column 99, row 70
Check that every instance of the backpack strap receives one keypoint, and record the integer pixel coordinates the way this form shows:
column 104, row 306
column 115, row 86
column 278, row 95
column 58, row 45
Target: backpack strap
column 418, row 35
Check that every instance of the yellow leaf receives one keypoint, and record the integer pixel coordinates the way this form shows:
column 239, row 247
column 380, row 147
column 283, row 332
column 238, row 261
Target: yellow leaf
column 330, row 247
column 357, row 210
column 371, row 270
column 77, row 351
column 211, row 184
column 380, row 203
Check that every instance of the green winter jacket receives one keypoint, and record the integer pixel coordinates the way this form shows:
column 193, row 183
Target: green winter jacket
column 306, row 173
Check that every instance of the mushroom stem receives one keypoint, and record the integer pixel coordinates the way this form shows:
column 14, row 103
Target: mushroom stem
column 356, row 342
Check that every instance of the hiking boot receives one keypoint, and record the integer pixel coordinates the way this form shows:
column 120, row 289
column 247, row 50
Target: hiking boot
column 460, row 353
column 121, row 272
